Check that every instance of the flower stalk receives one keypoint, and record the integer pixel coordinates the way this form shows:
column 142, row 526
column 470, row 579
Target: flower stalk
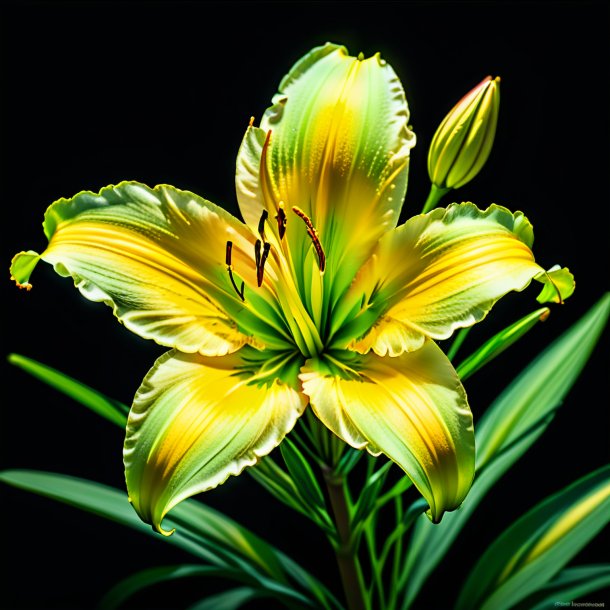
column 347, row 560
column 434, row 196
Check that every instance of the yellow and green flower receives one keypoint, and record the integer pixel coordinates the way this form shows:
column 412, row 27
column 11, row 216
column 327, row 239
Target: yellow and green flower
column 318, row 300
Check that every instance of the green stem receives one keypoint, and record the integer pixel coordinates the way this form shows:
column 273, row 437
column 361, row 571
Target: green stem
column 435, row 195
column 376, row 570
column 457, row 342
column 398, row 558
column 346, row 554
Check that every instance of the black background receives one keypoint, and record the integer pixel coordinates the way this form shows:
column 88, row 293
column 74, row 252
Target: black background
column 94, row 93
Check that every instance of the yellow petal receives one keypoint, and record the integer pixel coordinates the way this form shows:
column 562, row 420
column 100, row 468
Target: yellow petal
column 338, row 149
column 195, row 421
column 158, row 257
column 438, row 272
column 411, row 408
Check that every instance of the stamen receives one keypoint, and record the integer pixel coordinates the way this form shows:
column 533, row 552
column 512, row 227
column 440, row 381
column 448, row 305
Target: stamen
column 228, row 256
column 228, row 253
column 260, row 268
column 313, row 234
column 281, row 220
column 261, row 224
column 257, row 254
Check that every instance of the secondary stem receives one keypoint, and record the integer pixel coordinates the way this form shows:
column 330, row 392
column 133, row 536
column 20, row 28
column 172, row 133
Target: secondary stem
column 346, row 555
column 435, row 195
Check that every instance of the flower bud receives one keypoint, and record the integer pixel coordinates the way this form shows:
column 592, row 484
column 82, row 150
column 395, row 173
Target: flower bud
column 463, row 141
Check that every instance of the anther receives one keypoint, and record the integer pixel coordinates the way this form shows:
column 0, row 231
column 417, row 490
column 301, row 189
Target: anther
column 281, row 220
column 228, row 256
column 260, row 268
column 261, row 224
column 313, row 234
column 257, row 254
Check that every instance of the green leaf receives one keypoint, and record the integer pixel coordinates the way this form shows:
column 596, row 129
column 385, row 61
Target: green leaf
column 142, row 580
column 112, row 410
column 457, row 342
column 280, row 485
column 508, row 428
column 368, row 497
column 396, row 490
column 348, row 461
column 542, row 387
column 530, row 552
column 499, row 342
column 229, row 600
column 303, row 476
column 202, row 531
column 569, row 584
column 277, row 482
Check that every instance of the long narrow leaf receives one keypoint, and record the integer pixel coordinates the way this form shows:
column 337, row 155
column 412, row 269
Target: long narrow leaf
column 535, row 548
column 500, row 342
column 568, row 585
column 303, row 475
column 200, row 530
column 229, row 600
column 370, row 493
column 112, row 410
column 139, row 581
column 543, row 385
column 514, row 421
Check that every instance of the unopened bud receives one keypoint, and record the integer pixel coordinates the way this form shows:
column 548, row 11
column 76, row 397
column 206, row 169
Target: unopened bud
column 461, row 145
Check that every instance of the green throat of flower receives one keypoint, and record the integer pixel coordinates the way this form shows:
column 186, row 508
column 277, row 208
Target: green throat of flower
column 307, row 337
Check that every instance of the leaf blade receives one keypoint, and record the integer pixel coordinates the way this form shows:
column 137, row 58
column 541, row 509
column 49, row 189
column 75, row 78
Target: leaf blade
column 206, row 533
column 143, row 579
column 430, row 542
column 532, row 550
column 112, row 410
column 569, row 584
column 500, row 342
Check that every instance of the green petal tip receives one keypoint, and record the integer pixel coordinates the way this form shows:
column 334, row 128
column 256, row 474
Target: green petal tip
column 22, row 266
column 558, row 285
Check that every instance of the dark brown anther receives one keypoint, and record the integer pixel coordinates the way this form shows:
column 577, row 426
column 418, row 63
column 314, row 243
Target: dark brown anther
column 260, row 269
column 313, row 234
column 261, row 224
column 228, row 253
column 228, row 257
column 281, row 220
column 257, row 254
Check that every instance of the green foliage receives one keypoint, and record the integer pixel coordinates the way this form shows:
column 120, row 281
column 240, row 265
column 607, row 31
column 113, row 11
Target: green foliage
column 530, row 552
column 229, row 600
column 514, row 421
column 201, row 531
column 139, row 581
column 110, row 409
column 302, row 474
column 569, row 584
column 500, row 342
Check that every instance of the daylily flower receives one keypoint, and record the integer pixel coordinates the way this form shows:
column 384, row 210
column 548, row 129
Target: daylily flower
column 318, row 299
